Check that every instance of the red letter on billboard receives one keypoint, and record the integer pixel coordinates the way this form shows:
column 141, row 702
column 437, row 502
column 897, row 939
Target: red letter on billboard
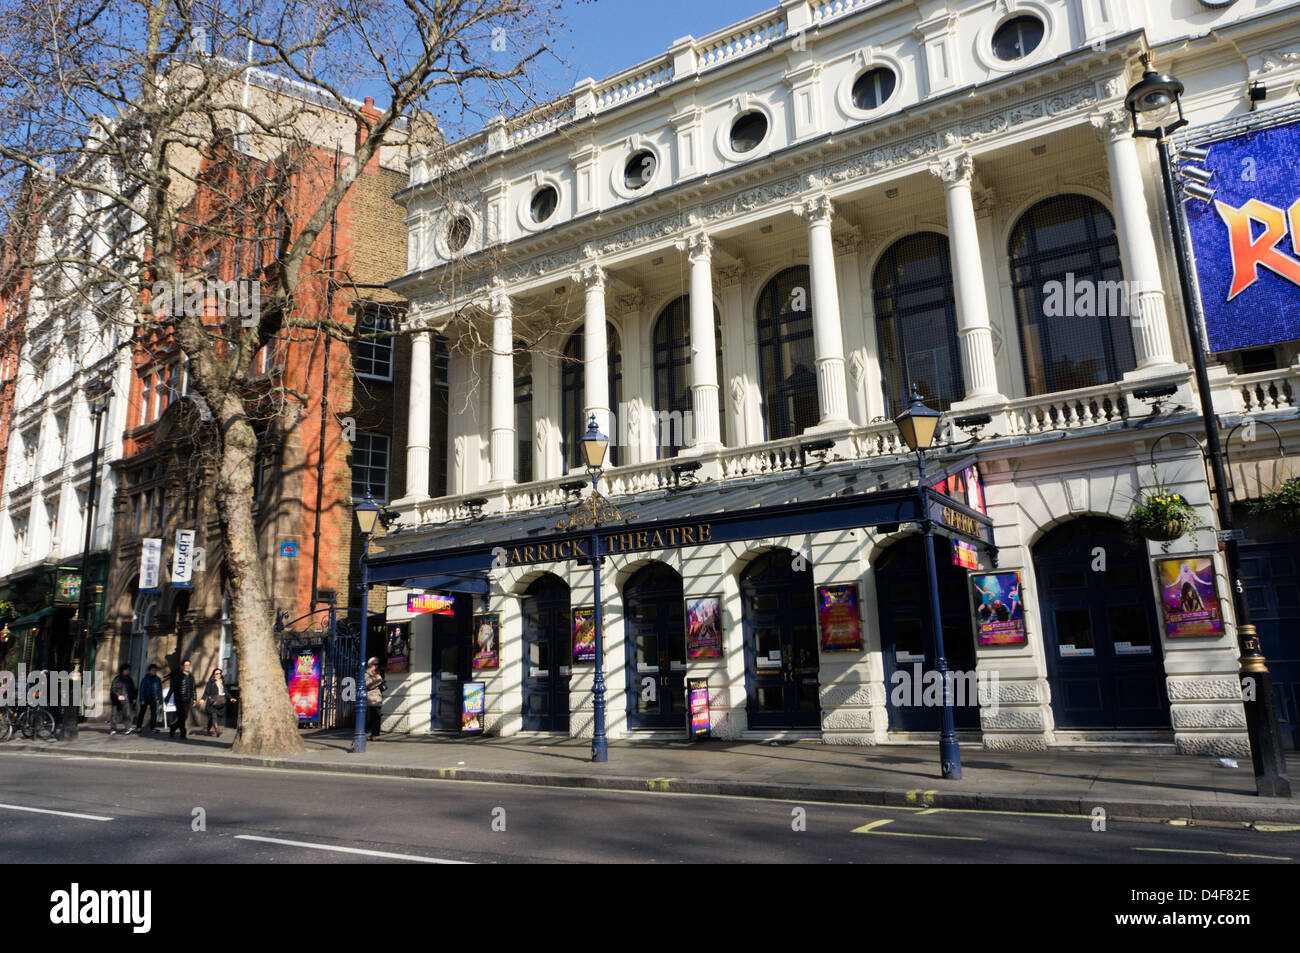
column 1248, row 252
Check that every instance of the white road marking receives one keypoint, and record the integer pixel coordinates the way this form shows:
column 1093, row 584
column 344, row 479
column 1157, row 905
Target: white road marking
column 349, row 850
column 41, row 810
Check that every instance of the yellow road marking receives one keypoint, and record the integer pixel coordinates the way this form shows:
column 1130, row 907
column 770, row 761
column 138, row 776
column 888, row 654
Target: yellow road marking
column 931, row 810
column 1216, row 853
column 1277, row 827
column 659, row 784
column 871, row 829
column 925, row 797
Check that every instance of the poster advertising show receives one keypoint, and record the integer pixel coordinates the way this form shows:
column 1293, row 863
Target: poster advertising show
column 839, row 618
column 398, row 648
column 304, row 685
column 704, row 627
column 487, row 640
column 1189, row 596
column 999, row 608
column 584, row 635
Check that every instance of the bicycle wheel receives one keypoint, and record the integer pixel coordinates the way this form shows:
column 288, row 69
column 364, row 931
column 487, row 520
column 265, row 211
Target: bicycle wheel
column 43, row 724
column 7, row 727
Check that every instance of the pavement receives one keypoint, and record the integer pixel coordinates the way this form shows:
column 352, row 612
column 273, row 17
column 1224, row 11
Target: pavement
column 1123, row 784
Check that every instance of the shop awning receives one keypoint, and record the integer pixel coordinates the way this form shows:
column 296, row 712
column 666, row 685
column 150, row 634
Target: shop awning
column 474, row 584
column 33, row 619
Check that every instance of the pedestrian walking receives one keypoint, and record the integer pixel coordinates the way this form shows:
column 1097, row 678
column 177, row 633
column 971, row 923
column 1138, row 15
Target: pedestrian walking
column 375, row 688
column 122, row 693
column 214, row 703
column 150, row 697
column 183, row 692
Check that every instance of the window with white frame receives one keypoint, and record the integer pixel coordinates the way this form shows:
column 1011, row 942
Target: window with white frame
column 31, row 440
column 21, row 541
column 52, row 523
column 370, row 466
column 374, row 355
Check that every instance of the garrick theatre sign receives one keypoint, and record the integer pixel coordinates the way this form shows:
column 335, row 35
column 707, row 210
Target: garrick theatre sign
column 821, row 499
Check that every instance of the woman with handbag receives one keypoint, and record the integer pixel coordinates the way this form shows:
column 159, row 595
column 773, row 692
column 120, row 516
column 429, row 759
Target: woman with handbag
column 214, row 702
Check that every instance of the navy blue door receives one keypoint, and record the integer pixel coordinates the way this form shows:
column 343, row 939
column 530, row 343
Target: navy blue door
column 781, row 658
column 1104, row 659
column 1269, row 570
column 452, row 658
column 902, row 594
column 547, row 655
column 655, row 625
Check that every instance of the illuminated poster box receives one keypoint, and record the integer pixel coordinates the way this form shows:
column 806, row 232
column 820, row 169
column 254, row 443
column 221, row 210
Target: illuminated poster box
column 436, row 603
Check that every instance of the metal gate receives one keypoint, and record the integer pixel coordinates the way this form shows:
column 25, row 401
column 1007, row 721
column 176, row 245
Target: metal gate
column 336, row 635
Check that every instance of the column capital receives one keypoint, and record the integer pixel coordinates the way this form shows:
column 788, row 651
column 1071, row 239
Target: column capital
column 499, row 299
column 698, row 247
column 590, row 273
column 956, row 169
column 1111, row 125
column 816, row 209
column 732, row 275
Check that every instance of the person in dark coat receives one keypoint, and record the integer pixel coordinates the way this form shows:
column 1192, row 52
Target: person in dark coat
column 183, row 692
column 122, row 693
column 375, row 686
column 150, row 696
column 215, row 697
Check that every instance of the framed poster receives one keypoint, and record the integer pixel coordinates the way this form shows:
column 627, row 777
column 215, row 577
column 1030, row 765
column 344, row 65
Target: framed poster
column 697, row 694
column 487, row 640
column 584, row 635
column 473, row 704
column 398, row 645
column 437, row 603
column 704, row 627
column 1189, row 597
column 999, row 608
column 304, row 684
column 839, row 618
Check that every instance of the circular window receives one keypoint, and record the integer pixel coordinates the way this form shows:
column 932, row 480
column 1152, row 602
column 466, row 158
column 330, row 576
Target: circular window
column 874, row 87
column 640, row 169
column 544, row 203
column 458, row 233
column 748, row 131
column 1017, row 38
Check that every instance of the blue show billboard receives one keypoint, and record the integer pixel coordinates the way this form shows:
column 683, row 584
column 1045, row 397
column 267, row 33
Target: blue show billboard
column 1246, row 241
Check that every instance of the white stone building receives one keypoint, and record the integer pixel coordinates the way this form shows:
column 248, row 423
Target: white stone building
column 845, row 200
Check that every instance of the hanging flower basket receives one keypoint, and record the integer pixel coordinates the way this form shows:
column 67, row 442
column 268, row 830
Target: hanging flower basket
column 7, row 610
column 1281, row 505
column 1162, row 516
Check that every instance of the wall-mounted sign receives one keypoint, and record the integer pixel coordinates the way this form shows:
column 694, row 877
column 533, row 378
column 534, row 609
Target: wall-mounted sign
column 704, row 627
column 839, row 618
column 697, row 692
column 584, row 635
column 437, row 603
column 183, row 559
column 473, row 705
column 1189, row 596
column 965, row 555
column 304, row 684
column 398, row 648
column 1245, row 241
column 288, row 550
column 999, row 608
column 67, row 589
column 694, row 534
column 487, row 640
column 150, row 564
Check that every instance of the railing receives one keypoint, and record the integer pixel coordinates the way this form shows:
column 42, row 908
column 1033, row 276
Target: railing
column 540, row 120
column 1267, row 390
column 634, row 82
column 1067, row 410
column 823, row 12
column 740, row 40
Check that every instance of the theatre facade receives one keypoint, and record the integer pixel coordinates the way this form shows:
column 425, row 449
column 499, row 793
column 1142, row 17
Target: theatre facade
column 741, row 258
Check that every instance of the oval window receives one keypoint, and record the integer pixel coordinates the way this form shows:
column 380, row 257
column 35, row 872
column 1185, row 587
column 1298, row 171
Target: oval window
column 458, row 233
column 1017, row 38
column 748, row 131
column 873, row 88
column 544, row 203
column 640, row 169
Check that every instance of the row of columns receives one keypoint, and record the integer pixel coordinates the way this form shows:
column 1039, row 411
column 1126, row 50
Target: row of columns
column 974, row 327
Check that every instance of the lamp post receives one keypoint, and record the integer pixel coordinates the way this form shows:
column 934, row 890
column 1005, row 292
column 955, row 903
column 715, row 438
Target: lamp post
column 594, row 445
column 97, row 393
column 1156, row 99
column 367, row 513
column 918, row 425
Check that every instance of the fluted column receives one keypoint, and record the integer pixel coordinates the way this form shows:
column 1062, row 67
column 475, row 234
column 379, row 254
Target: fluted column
column 419, row 415
column 704, row 357
column 828, row 328
column 595, row 353
column 973, row 327
column 1149, row 318
column 502, row 440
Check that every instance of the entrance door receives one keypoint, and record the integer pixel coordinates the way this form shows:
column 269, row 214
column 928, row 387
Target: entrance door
column 452, row 659
column 547, row 655
column 655, row 623
column 903, row 597
column 1269, row 570
column 781, row 659
column 1104, row 660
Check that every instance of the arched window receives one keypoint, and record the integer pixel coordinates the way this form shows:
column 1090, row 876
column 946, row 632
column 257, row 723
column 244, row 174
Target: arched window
column 916, row 323
column 523, row 362
column 573, row 395
column 1071, row 307
column 786, row 358
column 672, row 357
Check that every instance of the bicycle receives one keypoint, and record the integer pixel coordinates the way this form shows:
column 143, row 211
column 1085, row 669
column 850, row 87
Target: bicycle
column 30, row 721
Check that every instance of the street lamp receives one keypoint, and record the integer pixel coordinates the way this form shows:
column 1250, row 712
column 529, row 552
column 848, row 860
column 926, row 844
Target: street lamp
column 594, row 445
column 367, row 515
column 918, row 425
column 1152, row 103
column 98, row 391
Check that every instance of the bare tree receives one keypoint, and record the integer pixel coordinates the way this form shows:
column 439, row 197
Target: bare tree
column 163, row 129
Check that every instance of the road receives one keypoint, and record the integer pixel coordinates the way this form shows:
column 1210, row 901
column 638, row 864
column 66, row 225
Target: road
column 156, row 812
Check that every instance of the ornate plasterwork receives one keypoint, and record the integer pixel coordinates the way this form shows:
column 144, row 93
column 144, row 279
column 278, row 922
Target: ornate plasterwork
column 848, row 241
column 955, row 169
column 731, row 275
column 991, row 124
column 1279, row 59
column 632, row 301
column 698, row 247
column 1111, row 124
column 816, row 209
